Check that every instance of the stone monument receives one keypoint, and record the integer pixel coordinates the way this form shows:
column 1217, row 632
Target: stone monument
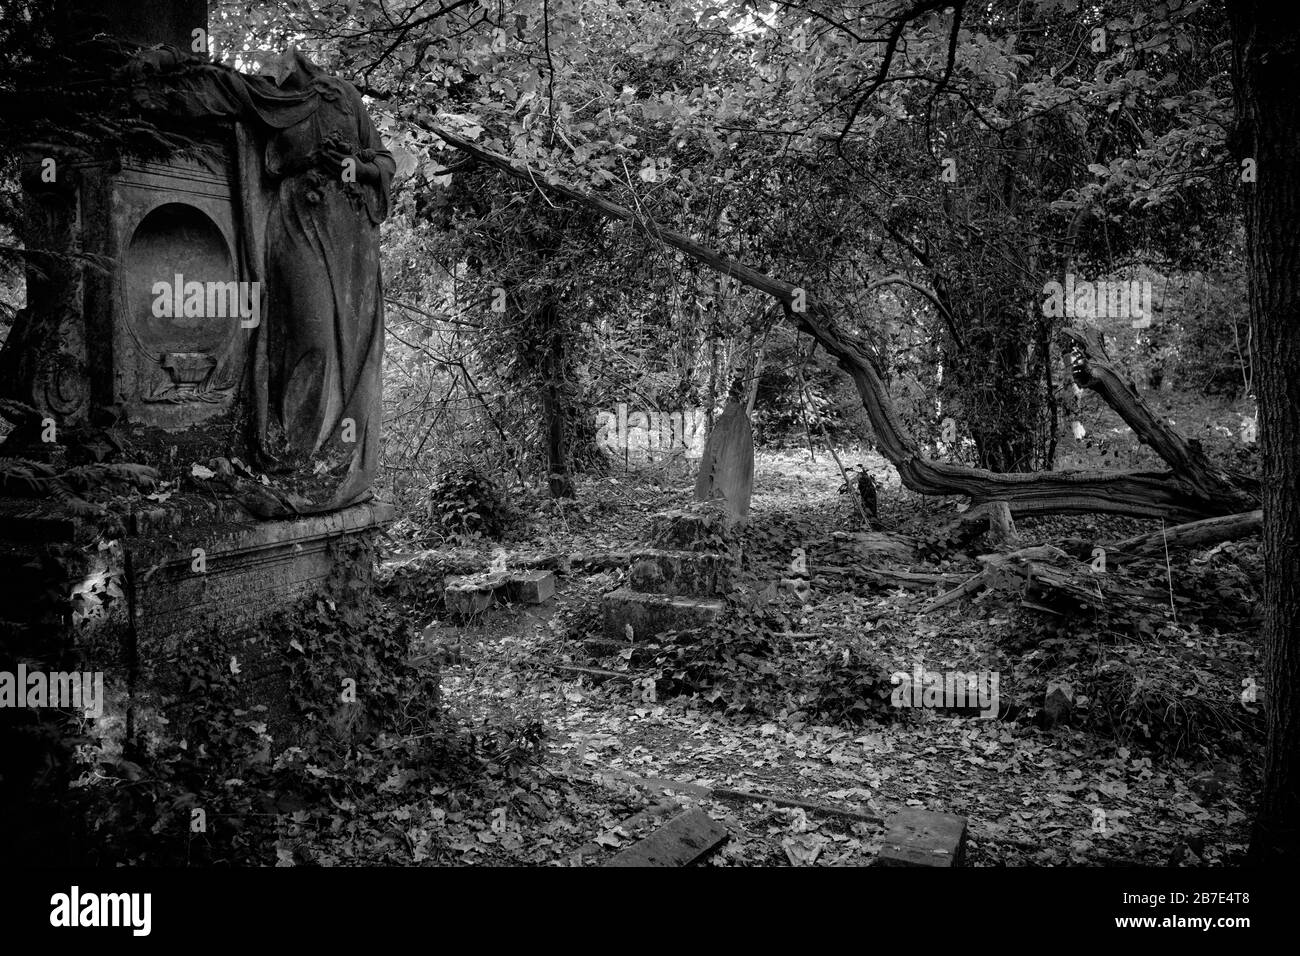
column 214, row 315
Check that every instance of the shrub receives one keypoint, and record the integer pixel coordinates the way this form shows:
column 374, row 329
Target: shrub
column 466, row 504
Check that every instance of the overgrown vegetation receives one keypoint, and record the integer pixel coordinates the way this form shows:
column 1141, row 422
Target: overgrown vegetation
column 923, row 193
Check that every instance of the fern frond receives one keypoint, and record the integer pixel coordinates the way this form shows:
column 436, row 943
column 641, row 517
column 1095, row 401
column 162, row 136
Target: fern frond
column 32, row 477
column 87, row 477
column 71, row 502
column 17, row 412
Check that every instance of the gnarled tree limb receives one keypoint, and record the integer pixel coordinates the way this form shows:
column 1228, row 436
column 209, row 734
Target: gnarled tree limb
column 1149, row 494
column 1093, row 369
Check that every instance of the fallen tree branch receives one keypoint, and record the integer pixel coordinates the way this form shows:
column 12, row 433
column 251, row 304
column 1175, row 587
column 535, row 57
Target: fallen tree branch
column 1049, row 587
column 1194, row 534
column 993, row 563
column 1093, row 369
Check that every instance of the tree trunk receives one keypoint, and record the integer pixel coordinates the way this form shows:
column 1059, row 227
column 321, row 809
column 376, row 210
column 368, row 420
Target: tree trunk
column 559, row 474
column 1266, row 40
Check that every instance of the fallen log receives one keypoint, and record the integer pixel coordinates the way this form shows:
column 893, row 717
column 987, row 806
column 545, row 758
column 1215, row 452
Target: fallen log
column 728, row 795
column 1059, row 588
column 884, row 576
column 1065, row 590
column 595, row 674
column 1194, row 534
column 993, row 564
column 808, row 806
column 874, row 547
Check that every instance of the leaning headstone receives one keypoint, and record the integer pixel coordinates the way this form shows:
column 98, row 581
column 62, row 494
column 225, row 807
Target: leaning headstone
column 923, row 838
column 727, row 467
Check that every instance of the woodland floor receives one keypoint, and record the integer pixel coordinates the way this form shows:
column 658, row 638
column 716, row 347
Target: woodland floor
column 1159, row 741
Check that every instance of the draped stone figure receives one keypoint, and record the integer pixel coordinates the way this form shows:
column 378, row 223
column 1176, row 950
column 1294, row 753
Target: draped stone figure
column 314, row 181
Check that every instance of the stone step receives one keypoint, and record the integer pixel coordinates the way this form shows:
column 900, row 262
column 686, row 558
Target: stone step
column 923, row 838
column 690, row 573
column 652, row 614
column 703, row 526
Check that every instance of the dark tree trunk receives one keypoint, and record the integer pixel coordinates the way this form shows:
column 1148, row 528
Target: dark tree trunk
column 1266, row 44
column 559, row 474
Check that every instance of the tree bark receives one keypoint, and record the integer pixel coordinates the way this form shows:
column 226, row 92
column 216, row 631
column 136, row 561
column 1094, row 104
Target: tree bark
column 1266, row 41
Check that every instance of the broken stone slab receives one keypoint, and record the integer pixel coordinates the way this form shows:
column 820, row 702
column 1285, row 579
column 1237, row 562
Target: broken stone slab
column 465, row 597
column 632, row 824
column 916, row 837
column 530, row 587
column 470, row 594
column 652, row 614
column 683, row 840
column 692, row 573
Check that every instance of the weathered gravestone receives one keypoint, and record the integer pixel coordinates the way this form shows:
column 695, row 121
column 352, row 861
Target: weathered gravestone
column 727, row 466
column 217, row 318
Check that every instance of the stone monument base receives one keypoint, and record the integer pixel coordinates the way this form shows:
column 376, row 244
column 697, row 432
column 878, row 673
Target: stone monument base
column 183, row 571
column 681, row 581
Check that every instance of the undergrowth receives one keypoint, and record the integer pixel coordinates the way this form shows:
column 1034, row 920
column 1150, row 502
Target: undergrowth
column 748, row 662
column 214, row 784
